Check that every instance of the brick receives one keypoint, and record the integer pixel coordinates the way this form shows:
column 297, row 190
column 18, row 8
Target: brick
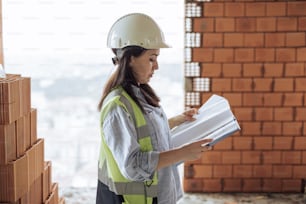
column 304, row 157
column 272, row 99
column 300, row 84
column 213, row 9
column 253, row 69
column 221, row 85
column 255, row 9
column 292, row 186
column 273, row 69
column 272, row 185
column 293, row 99
column 301, row 54
column 251, row 128
column 295, row 69
column 271, row 157
column 212, row 185
column 246, row 24
column 264, row 54
column 296, row 8
column 235, row 99
column 212, row 40
column 222, row 171
column 242, row 84
column 254, row 39
column 210, row 70
column 266, row 24
column 203, row 25
column 225, row 25
column 263, row 84
column 203, row 171
column 231, row 70
column 283, row 114
column 242, row 143
column 212, row 157
column 262, row 171
column 251, row 157
column 231, row 157
column 233, row 40
column 226, row 144
column 299, row 171
column 285, row 55
column 251, row 185
column 296, row 39
column 276, row 8
column 302, row 24
column 202, row 54
column 232, row 185
column 282, row 171
column 244, row 55
column 263, row 114
column 243, row 113
column 193, row 185
column 242, row 171
column 252, row 99
column 287, row 24
column 300, row 114
column 282, row 143
column 197, row 161
column 291, row 157
column 205, row 96
column 223, row 55
column 234, row 9
column 300, row 143
column 283, row 84
column 272, row 128
column 275, row 39
column 292, row 128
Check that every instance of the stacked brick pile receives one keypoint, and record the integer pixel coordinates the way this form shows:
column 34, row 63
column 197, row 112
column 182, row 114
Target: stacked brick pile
column 254, row 54
column 25, row 178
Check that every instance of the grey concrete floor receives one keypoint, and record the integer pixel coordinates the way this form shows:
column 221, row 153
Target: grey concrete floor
column 243, row 198
column 87, row 196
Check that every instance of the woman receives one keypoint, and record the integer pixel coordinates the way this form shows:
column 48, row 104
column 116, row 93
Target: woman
column 137, row 164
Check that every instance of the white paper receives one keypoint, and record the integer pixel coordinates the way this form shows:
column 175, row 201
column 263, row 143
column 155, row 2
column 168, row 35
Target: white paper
column 214, row 121
column 2, row 72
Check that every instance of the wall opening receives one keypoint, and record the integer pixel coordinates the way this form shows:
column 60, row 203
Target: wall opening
column 61, row 45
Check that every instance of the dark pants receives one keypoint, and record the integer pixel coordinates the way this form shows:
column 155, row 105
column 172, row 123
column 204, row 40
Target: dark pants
column 105, row 196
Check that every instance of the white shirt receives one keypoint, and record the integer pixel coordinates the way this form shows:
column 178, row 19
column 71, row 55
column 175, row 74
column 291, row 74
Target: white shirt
column 120, row 136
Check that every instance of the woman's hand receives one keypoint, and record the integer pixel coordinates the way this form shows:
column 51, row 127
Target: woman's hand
column 194, row 150
column 187, row 152
column 185, row 116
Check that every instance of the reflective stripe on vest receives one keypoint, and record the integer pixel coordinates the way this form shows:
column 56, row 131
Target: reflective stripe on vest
column 113, row 178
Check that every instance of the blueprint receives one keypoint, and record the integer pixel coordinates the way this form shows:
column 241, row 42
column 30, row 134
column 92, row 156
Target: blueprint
column 214, row 120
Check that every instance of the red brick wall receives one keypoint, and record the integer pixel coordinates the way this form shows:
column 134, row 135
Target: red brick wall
column 254, row 54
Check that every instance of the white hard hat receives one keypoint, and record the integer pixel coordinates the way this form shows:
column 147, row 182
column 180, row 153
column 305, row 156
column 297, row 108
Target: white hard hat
column 136, row 29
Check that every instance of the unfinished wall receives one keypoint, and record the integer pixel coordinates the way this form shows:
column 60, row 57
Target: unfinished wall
column 254, row 54
column 1, row 36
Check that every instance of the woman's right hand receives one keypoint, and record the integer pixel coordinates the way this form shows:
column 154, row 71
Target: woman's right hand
column 187, row 152
column 194, row 151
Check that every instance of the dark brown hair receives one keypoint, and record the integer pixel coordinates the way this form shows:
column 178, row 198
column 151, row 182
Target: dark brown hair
column 124, row 77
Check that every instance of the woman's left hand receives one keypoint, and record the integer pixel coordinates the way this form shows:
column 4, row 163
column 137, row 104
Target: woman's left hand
column 185, row 116
column 188, row 115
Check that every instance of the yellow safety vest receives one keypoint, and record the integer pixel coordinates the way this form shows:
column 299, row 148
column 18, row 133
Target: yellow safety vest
column 133, row 192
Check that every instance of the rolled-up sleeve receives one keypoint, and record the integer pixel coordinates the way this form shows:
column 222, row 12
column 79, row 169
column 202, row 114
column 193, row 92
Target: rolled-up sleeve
column 121, row 137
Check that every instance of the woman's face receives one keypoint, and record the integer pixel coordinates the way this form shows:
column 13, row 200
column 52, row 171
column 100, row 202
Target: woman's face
column 143, row 67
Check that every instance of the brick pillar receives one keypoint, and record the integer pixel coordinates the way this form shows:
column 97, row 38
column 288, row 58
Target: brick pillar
column 254, row 54
column 1, row 38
